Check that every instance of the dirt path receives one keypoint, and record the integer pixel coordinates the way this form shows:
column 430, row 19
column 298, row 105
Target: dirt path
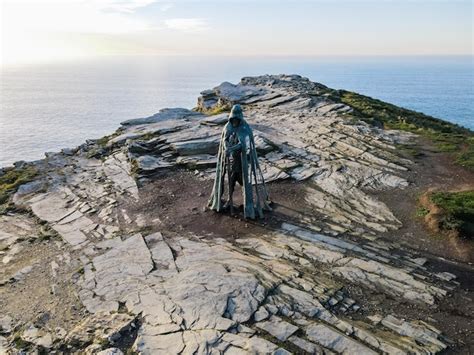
column 432, row 171
column 436, row 171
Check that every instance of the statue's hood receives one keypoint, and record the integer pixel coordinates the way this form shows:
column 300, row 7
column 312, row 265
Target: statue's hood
column 236, row 113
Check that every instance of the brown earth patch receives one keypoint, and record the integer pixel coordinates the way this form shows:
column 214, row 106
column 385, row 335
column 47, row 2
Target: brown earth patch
column 177, row 202
column 454, row 315
column 433, row 171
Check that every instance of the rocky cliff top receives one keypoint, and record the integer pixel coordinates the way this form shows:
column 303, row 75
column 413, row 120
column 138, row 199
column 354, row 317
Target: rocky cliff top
column 107, row 248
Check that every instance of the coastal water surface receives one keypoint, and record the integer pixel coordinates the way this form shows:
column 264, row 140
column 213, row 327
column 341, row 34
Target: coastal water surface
column 48, row 107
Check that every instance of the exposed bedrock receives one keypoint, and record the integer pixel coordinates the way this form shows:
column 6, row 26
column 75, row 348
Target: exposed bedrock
column 282, row 290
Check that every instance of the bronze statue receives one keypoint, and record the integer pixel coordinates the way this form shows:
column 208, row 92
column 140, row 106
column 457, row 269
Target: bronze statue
column 237, row 157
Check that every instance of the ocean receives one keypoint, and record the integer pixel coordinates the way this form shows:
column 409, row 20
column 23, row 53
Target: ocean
column 48, row 107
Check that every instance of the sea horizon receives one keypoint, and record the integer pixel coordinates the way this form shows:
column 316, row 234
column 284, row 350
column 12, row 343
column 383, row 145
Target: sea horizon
column 46, row 107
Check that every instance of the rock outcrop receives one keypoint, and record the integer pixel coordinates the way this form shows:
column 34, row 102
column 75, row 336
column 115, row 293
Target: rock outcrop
column 283, row 290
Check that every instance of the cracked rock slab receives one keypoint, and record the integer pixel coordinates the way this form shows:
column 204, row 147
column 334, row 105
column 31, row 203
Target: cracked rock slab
column 336, row 341
column 277, row 327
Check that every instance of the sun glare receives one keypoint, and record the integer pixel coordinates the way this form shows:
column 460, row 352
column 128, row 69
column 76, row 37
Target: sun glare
column 42, row 31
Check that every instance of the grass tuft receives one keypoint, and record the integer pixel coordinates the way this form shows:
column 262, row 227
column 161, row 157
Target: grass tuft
column 12, row 178
column 458, row 210
column 422, row 212
column 218, row 110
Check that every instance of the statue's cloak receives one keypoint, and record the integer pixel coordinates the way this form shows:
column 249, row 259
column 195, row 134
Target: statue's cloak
column 254, row 192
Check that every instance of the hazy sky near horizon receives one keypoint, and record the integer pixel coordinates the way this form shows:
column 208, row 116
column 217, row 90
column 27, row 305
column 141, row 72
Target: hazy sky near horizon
column 46, row 30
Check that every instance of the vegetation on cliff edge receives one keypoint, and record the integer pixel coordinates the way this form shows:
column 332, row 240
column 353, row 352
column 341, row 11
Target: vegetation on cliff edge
column 10, row 180
column 447, row 137
column 457, row 210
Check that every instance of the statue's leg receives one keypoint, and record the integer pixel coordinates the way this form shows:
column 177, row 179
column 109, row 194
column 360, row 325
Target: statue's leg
column 238, row 178
column 233, row 180
column 235, row 171
column 223, row 174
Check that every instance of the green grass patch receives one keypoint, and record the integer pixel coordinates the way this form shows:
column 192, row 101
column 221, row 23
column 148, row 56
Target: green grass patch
column 410, row 150
column 47, row 233
column 102, row 142
column 446, row 136
column 12, row 178
column 100, row 149
column 134, row 168
column 422, row 212
column 466, row 156
column 456, row 203
column 458, row 208
column 217, row 110
column 19, row 343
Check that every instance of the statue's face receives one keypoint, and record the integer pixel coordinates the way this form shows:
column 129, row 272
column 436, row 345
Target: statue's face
column 235, row 122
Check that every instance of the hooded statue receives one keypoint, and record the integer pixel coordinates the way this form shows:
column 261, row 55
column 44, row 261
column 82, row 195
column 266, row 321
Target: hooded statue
column 237, row 158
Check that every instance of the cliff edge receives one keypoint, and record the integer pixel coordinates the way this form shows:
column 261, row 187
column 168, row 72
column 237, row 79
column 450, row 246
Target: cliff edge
column 107, row 248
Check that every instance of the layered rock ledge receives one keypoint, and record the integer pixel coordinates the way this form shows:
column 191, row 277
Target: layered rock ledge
column 109, row 250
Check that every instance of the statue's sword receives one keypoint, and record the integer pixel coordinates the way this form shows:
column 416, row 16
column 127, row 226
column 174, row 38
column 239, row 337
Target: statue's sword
column 229, row 182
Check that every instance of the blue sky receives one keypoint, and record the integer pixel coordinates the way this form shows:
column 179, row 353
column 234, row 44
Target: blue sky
column 39, row 30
